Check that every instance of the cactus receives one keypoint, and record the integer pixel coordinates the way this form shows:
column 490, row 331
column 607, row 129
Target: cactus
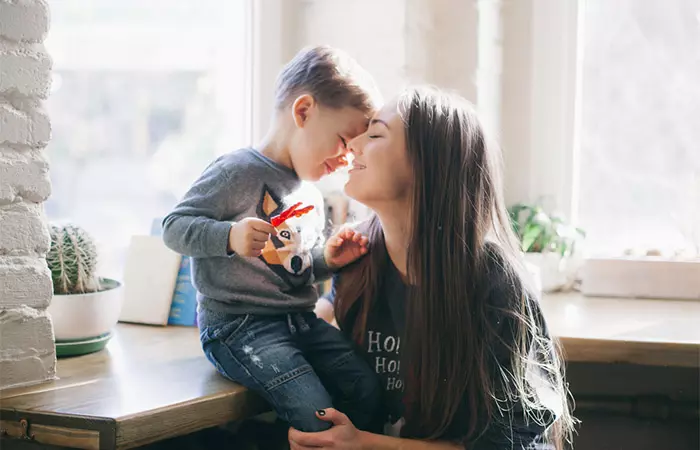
column 72, row 260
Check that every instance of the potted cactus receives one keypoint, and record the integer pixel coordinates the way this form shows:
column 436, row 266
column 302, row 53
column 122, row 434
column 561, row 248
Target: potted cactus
column 85, row 307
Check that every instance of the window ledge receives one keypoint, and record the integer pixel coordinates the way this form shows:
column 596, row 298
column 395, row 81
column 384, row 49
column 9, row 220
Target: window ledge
column 645, row 277
column 625, row 330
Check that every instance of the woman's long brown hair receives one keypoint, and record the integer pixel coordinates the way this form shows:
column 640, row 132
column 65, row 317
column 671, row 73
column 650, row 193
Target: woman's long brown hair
column 457, row 205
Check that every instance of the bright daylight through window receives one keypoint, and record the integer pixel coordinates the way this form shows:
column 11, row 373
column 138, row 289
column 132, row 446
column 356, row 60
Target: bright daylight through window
column 640, row 134
column 145, row 94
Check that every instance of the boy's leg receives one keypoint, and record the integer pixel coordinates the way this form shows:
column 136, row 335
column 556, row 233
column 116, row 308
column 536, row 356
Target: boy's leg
column 348, row 378
column 260, row 353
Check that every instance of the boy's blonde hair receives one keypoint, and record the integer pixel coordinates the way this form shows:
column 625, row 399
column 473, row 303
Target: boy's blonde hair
column 330, row 76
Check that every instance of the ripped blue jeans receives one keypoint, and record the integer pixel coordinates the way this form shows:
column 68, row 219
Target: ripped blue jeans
column 297, row 362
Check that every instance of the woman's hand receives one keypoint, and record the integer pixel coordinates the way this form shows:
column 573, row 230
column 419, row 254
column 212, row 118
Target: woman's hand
column 343, row 435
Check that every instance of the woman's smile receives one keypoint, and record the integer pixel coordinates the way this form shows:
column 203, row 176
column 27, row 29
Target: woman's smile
column 356, row 166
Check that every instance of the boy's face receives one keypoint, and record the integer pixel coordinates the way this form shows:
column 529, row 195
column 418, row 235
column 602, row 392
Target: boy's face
column 319, row 143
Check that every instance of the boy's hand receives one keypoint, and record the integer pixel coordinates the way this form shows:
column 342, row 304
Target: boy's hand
column 345, row 247
column 248, row 236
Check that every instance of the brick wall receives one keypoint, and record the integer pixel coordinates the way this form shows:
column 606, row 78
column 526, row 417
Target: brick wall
column 27, row 353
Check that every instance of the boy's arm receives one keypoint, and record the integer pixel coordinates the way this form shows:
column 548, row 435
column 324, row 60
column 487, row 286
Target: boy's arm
column 196, row 227
column 321, row 270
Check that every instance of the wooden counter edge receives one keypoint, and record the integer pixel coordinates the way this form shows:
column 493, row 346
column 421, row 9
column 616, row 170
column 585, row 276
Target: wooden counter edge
column 631, row 352
column 188, row 417
column 56, row 430
column 61, row 430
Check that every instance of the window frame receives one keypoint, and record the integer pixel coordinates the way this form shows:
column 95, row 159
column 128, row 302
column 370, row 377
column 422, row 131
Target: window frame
column 553, row 152
column 547, row 160
column 248, row 34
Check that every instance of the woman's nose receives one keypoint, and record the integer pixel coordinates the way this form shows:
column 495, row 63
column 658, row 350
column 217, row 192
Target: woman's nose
column 355, row 144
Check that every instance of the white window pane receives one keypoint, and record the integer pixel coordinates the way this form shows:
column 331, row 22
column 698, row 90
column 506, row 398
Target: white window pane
column 640, row 136
column 145, row 95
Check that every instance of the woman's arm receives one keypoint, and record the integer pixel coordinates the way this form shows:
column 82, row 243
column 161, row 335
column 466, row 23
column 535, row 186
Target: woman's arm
column 344, row 436
column 379, row 442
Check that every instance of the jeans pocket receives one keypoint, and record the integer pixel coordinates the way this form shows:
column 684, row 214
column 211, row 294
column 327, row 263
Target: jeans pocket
column 229, row 329
column 224, row 330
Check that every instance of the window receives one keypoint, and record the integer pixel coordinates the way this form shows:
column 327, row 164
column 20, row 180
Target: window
column 640, row 136
column 145, row 95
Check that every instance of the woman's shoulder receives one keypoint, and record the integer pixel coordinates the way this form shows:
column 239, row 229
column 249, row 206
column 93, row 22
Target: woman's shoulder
column 499, row 271
column 505, row 281
column 363, row 226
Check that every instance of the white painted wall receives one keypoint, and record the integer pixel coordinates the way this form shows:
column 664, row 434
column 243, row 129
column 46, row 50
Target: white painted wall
column 369, row 30
column 539, row 88
column 399, row 41
column 515, row 59
column 273, row 44
column 27, row 352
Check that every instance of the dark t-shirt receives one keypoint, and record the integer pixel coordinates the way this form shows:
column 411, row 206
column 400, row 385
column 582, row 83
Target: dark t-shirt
column 382, row 350
column 382, row 341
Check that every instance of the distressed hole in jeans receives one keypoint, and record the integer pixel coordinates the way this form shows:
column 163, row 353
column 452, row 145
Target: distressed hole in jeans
column 256, row 360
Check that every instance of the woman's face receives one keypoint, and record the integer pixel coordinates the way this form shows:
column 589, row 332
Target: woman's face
column 381, row 172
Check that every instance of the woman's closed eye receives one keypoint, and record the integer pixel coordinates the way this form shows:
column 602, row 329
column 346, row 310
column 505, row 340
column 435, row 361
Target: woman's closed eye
column 372, row 131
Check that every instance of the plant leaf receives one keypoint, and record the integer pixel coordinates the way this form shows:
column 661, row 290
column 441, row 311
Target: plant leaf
column 532, row 232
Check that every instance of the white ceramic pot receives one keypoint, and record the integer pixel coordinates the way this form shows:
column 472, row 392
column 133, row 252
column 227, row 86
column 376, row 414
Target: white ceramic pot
column 551, row 268
column 81, row 316
column 534, row 272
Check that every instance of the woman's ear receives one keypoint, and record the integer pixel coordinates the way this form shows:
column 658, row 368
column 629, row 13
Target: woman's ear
column 301, row 109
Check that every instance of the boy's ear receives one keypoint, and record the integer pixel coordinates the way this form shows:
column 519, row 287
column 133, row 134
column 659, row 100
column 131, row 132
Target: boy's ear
column 301, row 108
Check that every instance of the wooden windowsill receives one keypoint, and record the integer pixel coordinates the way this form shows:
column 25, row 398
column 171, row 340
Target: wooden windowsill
column 152, row 383
column 149, row 384
column 655, row 332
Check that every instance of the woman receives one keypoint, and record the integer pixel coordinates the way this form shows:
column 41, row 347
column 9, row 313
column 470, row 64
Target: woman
column 440, row 307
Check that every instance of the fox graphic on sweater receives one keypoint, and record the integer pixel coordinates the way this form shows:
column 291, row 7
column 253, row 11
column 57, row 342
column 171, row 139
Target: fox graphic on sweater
column 285, row 254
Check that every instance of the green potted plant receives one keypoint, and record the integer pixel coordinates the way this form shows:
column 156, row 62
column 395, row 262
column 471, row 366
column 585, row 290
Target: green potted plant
column 85, row 308
column 548, row 242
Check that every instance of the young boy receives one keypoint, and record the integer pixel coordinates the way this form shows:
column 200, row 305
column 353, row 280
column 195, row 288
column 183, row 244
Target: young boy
column 253, row 230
